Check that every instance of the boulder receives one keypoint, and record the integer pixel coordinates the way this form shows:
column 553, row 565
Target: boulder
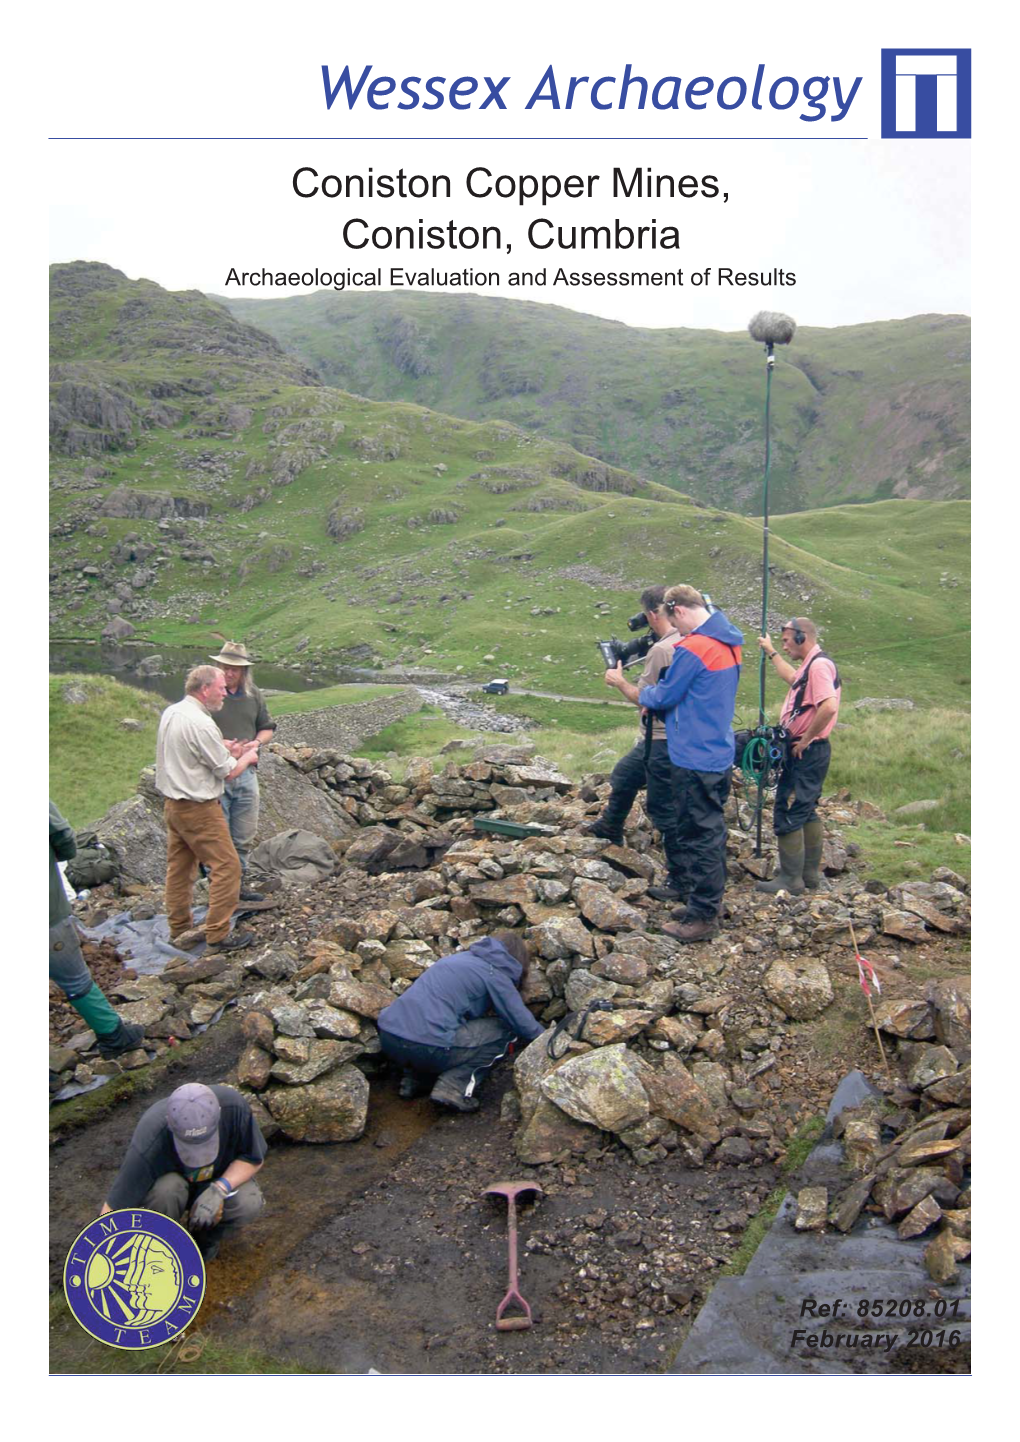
column 289, row 802
column 256, row 1027
column 812, row 1209
column 951, row 1004
column 675, row 1095
column 920, row 1218
column 253, row 1067
column 603, row 1028
column 334, row 1109
column 604, row 910
column 363, row 998
column 134, row 833
column 549, row 1133
column 942, row 1255
column 905, row 925
column 909, row 1017
column 563, row 936
column 323, row 1056
column 931, row 1065
column 600, row 1088
column 799, row 986
column 582, row 987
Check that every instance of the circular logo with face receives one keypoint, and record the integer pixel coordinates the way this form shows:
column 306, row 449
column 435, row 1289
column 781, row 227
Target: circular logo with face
column 134, row 1279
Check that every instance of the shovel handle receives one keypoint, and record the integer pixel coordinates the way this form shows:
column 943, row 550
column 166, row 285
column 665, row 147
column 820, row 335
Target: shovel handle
column 513, row 1324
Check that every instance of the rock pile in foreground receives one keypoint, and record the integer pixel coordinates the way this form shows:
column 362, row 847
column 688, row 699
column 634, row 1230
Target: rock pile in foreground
column 666, row 1048
column 909, row 1153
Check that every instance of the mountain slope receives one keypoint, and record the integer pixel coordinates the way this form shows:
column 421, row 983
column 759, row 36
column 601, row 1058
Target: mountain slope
column 203, row 485
column 861, row 413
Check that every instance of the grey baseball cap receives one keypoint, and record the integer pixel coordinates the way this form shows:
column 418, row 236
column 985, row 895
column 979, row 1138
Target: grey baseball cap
column 193, row 1116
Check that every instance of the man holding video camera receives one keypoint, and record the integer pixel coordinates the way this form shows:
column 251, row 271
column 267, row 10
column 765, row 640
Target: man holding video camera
column 697, row 694
column 647, row 763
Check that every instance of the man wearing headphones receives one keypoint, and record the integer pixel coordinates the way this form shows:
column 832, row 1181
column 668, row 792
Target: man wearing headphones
column 809, row 714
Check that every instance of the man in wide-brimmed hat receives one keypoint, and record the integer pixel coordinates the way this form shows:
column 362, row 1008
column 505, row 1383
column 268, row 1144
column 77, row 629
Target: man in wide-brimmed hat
column 244, row 720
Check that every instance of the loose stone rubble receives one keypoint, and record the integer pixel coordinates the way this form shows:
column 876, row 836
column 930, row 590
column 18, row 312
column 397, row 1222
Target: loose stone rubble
column 908, row 1151
column 667, row 1049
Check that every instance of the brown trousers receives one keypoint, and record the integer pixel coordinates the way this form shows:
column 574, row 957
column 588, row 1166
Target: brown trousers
column 197, row 831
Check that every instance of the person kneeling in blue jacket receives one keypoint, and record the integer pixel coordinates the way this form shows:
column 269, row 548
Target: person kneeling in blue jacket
column 441, row 1026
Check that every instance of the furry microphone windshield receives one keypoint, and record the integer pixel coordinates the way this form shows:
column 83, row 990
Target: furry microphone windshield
column 771, row 327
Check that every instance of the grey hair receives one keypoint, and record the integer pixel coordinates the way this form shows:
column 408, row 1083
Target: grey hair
column 198, row 677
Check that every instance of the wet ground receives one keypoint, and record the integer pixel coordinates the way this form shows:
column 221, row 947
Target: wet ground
column 383, row 1252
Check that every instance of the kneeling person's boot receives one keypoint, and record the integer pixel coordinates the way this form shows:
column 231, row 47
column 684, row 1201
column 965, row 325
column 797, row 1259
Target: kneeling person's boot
column 790, row 876
column 448, row 1093
column 814, row 838
column 113, row 1035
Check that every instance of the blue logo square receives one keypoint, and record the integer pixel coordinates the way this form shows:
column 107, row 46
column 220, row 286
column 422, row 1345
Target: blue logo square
column 925, row 94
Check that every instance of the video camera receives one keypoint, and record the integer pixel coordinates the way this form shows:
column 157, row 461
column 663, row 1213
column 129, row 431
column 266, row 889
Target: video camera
column 615, row 653
column 625, row 653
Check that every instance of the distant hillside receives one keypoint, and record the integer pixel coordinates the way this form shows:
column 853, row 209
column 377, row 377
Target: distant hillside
column 204, row 485
column 862, row 413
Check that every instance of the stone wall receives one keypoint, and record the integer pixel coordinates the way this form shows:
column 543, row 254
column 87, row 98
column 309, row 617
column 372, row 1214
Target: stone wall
column 343, row 728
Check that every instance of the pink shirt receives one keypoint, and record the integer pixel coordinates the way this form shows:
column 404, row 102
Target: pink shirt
column 821, row 684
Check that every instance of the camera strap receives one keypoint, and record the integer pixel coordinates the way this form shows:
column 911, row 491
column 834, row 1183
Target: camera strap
column 800, row 687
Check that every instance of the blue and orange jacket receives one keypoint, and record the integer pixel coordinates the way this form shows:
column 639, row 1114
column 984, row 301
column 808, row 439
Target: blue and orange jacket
column 697, row 694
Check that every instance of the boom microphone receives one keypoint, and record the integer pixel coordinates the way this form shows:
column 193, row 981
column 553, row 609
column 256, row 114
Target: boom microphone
column 771, row 327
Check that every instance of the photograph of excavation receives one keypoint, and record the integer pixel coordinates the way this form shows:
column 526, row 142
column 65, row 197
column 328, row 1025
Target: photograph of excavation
column 711, row 1139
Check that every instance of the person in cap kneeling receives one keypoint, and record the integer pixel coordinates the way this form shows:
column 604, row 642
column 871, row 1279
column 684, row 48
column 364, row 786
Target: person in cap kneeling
column 809, row 714
column 441, row 1030
column 196, row 1152
column 245, row 723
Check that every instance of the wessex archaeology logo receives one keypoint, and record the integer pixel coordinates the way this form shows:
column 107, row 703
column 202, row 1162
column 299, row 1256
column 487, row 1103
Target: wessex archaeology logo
column 134, row 1279
column 925, row 94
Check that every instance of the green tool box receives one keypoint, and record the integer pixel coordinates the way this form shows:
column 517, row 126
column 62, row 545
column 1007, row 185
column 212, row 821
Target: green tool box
column 516, row 829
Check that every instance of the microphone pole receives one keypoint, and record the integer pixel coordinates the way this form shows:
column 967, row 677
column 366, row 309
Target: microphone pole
column 772, row 329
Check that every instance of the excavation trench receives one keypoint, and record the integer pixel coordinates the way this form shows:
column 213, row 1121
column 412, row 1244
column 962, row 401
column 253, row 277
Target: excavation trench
column 383, row 1252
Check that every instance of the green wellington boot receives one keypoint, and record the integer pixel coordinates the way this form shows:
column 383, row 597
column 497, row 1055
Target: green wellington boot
column 814, row 836
column 790, row 876
column 112, row 1034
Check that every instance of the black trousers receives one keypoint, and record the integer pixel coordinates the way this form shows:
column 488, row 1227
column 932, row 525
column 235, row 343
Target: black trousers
column 628, row 777
column 699, row 798
column 800, row 787
column 478, row 1046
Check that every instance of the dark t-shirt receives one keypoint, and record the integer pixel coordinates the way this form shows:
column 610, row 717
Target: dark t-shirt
column 152, row 1154
column 243, row 715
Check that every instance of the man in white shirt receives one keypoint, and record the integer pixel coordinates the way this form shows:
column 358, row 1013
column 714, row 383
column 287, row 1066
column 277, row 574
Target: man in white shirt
column 192, row 764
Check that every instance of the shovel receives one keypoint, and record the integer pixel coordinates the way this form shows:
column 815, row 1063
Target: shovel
column 512, row 1190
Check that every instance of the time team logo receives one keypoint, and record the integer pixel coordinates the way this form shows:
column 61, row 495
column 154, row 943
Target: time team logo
column 134, row 1279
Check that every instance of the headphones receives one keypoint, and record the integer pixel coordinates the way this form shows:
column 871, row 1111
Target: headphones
column 670, row 606
column 798, row 634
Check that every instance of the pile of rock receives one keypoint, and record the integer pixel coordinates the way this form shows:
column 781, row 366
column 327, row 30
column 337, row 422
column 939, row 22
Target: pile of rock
column 910, row 1152
column 523, row 786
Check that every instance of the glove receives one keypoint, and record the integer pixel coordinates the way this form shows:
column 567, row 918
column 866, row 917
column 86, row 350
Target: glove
column 207, row 1210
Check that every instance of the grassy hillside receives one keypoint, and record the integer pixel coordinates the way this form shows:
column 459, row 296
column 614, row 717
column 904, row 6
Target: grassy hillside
column 204, row 486
column 861, row 413
column 94, row 761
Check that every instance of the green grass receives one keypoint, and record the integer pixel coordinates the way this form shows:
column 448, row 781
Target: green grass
column 888, row 582
column 422, row 734
column 908, row 853
column 576, row 716
column 895, row 757
column 290, row 703
column 93, row 761
column 860, row 412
